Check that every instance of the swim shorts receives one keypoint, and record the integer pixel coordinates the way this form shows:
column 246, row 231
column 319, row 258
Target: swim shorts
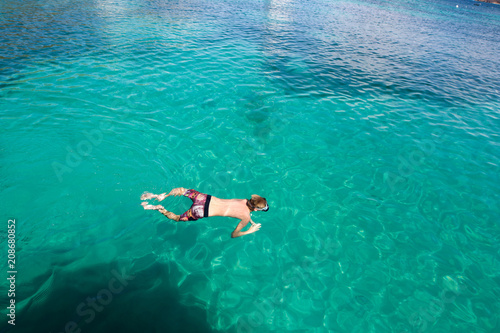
column 199, row 208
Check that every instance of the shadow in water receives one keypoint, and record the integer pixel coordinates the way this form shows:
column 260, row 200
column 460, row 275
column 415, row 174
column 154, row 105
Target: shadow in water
column 107, row 298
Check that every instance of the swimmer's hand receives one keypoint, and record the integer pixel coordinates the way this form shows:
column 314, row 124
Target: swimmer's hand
column 255, row 227
column 243, row 223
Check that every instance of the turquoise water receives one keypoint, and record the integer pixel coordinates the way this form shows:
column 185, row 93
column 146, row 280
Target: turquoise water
column 372, row 128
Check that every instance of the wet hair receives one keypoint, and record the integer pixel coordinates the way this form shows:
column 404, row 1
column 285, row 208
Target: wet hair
column 256, row 201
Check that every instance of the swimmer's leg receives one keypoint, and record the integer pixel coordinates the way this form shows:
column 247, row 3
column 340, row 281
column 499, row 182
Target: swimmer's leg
column 162, row 210
column 175, row 192
column 170, row 215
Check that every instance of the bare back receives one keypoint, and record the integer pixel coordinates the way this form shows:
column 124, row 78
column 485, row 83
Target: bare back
column 236, row 208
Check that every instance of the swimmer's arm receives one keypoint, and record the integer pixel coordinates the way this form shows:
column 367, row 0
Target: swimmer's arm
column 238, row 233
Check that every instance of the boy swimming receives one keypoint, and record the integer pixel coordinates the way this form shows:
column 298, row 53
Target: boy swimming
column 205, row 205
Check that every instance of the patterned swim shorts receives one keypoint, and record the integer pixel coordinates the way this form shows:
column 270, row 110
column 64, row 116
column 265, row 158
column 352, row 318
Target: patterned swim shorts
column 199, row 208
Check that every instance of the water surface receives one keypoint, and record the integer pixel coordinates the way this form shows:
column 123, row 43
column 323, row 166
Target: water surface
column 370, row 126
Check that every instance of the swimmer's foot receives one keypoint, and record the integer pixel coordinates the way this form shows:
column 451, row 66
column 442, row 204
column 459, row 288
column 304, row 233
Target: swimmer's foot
column 151, row 207
column 149, row 196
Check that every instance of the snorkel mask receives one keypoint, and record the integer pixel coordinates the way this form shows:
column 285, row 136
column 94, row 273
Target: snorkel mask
column 264, row 209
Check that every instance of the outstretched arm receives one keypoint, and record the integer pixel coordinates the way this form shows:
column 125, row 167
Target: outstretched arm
column 253, row 228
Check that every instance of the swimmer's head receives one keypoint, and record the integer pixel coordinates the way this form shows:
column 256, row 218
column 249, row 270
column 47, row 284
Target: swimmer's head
column 257, row 203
